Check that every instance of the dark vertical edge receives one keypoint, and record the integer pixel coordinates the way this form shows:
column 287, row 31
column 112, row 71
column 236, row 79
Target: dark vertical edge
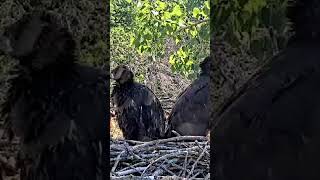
column 211, row 83
column 107, row 139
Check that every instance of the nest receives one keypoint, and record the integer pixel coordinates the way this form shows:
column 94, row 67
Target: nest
column 178, row 157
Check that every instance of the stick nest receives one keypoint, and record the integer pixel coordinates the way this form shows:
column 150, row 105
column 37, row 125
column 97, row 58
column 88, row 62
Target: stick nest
column 179, row 157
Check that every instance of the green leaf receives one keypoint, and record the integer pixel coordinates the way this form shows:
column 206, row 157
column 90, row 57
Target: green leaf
column 195, row 12
column 148, row 36
column 177, row 40
column 207, row 4
column 253, row 6
column 166, row 15
column 189, row 63
column 172, row 60
column 181, row 53
column 194, row 33
column 161, row 5
column 181, row 23
column 132, row 40
column 145, row 10
column 177, row 10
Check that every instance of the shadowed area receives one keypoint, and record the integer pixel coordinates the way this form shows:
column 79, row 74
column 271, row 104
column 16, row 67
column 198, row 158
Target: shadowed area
column 270, row 128
column 56, row 107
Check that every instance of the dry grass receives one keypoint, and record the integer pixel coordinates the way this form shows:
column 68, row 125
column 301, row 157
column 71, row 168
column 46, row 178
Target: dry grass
column 115, row 131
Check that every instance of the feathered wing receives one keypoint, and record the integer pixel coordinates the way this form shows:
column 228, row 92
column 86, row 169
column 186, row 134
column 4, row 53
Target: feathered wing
column 91, row 99
column 283, row 74
column 153, row 114
column 273, row 112
column 193, row 104
column 68, row 137
column 128, row 109
column 89, row 130
column 140, row 114
column 19, row 80
column 129, row 119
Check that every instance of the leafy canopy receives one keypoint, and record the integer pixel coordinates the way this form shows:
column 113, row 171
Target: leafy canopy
column 153, row 23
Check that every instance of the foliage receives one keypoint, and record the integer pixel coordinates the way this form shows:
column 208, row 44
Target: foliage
column 122, row 14
column 121, row 51
column 260, row 26
column 153, row 22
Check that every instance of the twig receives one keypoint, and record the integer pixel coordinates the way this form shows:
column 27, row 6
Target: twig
column 179, row 157
column 130, row 171
column 180, row 138
column 116, row 163
column 194, row 165
column 185, row 165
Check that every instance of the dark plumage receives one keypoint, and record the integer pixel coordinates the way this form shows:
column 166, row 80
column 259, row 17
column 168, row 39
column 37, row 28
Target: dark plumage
column 138, row 110
column 57, row 107
column 190, row 114
column 271, row 128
